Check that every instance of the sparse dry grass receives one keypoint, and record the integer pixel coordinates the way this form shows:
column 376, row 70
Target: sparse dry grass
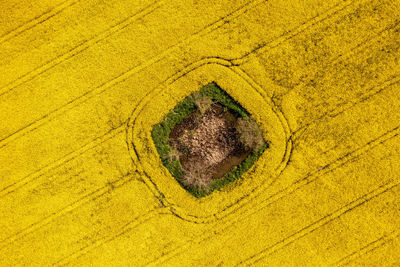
column 202, row 103
column 72, row 72
column 250, row 134
column 193, row 156
column 196, row 177
column 172, row 155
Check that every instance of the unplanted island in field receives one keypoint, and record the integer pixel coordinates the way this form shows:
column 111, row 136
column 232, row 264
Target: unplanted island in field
column 208, row 140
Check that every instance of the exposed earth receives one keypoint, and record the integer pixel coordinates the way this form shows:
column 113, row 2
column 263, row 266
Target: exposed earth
column 208, row 145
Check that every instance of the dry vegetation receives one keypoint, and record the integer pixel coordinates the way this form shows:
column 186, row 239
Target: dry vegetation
column 250, row 135
column 172, row 155
column 209, row 138
column 202, row 103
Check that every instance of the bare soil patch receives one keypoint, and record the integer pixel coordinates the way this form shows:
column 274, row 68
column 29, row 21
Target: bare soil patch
column 208, row 145
column 208, row 140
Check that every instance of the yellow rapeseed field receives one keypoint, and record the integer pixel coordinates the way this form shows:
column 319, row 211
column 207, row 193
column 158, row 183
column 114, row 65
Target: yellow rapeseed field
column 82, row 82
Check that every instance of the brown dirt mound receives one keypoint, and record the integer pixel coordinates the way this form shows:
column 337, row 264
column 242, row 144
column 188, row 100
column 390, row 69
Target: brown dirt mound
column 208, row 145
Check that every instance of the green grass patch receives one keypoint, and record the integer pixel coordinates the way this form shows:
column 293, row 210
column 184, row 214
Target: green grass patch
column 161, row 131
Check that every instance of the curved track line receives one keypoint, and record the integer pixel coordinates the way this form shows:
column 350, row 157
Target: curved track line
column 79, row 48
column 37, row 20
column 311, row 177
column 77, row 154
column 367, row 148
column 48, row 117
column 53, row 165
column 115, row 81
column 232, row 207
column 119, row 26
column 346, row 158
column 74, row 157
column 103, row 87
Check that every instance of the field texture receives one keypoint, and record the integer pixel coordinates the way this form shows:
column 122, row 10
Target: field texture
column 82, row 82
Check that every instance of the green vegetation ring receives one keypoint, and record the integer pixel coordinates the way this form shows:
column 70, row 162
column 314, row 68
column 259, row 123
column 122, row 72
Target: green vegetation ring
column 161, row 131
column 153, row 108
